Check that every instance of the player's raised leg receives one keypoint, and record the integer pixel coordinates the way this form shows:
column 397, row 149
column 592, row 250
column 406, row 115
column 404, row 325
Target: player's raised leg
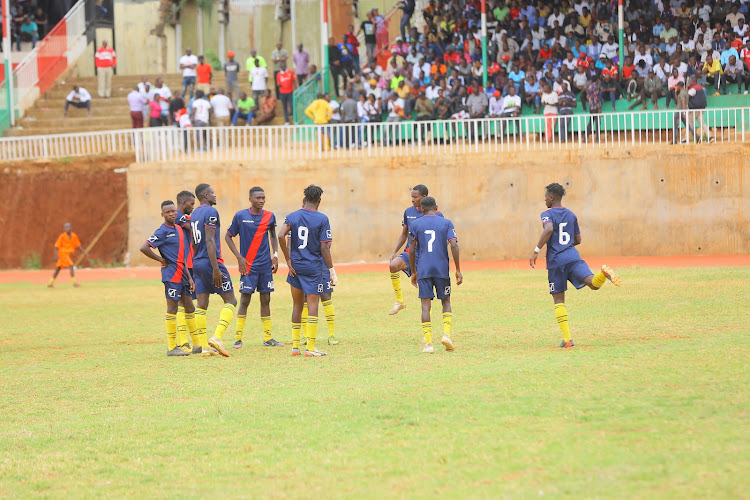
column 241, row 318
column 596, row 281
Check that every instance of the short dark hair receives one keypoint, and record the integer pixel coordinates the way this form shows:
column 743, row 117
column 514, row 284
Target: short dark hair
column 255, row 189
column 313, row 193
column 556, row 190
column 199, row 94
column 201, row 188
column 184, row 195
column 428, row 202
column 422, row 189
column 167, row 202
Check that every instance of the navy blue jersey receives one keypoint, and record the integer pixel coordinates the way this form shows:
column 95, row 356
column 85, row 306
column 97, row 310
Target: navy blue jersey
column 560, row 249
column 308, row 229
column 173, row 246
column 432, row 234
column 205, row 215
column 253, row 230
column 410, row 215
column 183, row 220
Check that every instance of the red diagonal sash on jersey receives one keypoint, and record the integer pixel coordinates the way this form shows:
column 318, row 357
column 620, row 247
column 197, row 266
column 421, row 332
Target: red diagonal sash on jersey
column 260, row 233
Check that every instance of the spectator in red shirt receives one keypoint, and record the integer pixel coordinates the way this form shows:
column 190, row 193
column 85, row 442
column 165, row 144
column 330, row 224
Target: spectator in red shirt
column 204, row 74
column 351, row 39
column 285, row 83
column 105, row 60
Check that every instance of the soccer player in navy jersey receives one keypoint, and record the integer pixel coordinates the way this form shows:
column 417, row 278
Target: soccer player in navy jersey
column 430, row 236
column 561, row 235
column 400, row 262
column 185, row 204
column 255, row 227
column 210, row 273
column 310, row 264
column 172, row 244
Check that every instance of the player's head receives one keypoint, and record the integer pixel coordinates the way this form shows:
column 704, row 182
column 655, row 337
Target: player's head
column 168, row 211
column 67, row 227
column 185, row 202
column 553, row 193
column 312, row 196
column 417, row 193
column 205, row 194
column 429, row 205
column 257, row 198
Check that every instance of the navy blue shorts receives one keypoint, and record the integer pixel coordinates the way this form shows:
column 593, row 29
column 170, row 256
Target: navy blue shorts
column 441, row 287
column 312, row 285
column 203, row 277
column 260, row 282
column 175, row 291
column 405, row 257
column 575, row 272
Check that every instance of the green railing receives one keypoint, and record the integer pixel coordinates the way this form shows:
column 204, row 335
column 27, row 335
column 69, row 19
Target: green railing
column 306, row 94
column 5, row 121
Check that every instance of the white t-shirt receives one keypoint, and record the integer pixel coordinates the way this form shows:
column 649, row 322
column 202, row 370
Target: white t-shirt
column 259, row 75
column 165, row 94
column 202, row 109
column 550, row 103
column 189, row 59
column 185, row 121
column 610, row 50
column 510, row 101
column 221, row 105
column 82, row 95
column 335, row 115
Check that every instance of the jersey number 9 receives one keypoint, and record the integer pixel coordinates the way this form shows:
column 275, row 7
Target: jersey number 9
column 196, row 232
column 302, row 233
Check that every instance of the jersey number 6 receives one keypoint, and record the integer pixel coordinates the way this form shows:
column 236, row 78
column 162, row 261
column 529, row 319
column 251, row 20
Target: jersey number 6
column 564, row 238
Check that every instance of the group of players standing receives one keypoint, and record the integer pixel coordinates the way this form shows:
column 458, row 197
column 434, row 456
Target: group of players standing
column 192, row 267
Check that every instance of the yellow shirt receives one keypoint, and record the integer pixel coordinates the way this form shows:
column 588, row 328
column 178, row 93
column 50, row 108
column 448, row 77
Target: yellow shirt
column 319, row 111
column 715, row 66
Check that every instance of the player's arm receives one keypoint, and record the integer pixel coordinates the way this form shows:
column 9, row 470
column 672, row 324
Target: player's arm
column 454, row 250
column 211, row 249
column 191, row 283
column 241, row 261
column 413, row 261
column 400, row 242
column 275, row 248
column 282, row 243
column 325, row 252
column 148, row 251
column 543, row 239
column 576, row 240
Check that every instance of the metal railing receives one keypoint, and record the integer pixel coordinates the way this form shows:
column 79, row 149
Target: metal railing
column 387, row 139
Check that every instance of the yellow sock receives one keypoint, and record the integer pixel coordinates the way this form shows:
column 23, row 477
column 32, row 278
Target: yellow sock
column 599, row 279
column 200, row 323
column 427, row 331
column 296, row 332
column 562, row 319
column 73, row 279
column 312, row 332
column 240, row 326
column 51, row 281
column 192, row 328
column 227, row 313
column 304, row 320
column 181, row 327
column 171, row 322
column 266, row 321
column 447, row 323
column 330, row 317
column 396, row 282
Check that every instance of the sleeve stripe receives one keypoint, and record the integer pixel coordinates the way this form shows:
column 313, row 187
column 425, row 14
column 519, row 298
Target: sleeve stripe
column 451, row 239
column 324, row 241
column 150, row 244
column 230, row 233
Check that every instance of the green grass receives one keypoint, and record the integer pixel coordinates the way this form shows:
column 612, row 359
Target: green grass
column 652, row 403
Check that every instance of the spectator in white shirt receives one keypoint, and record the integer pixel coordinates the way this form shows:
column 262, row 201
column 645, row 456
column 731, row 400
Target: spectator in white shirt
column 662, row 70
column 222, row 106
column 166, row 96
column 496, row 105
column 79, row 97
column 609, row 49
column 188, row 63
column 512, row 107
column 259, row 75
column 643, row 55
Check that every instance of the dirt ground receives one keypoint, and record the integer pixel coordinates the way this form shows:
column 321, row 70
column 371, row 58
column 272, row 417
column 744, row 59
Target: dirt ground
column 152, row 273
column 42, row 195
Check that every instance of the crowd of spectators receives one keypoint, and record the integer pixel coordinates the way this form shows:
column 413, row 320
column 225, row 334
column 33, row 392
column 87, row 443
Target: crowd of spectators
column 544, row 57
column 28, row 22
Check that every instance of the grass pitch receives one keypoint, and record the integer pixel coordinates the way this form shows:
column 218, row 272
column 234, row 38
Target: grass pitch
column 652, row 402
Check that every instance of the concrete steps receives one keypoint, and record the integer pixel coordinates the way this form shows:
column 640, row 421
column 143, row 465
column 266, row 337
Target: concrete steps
column 46, row 116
